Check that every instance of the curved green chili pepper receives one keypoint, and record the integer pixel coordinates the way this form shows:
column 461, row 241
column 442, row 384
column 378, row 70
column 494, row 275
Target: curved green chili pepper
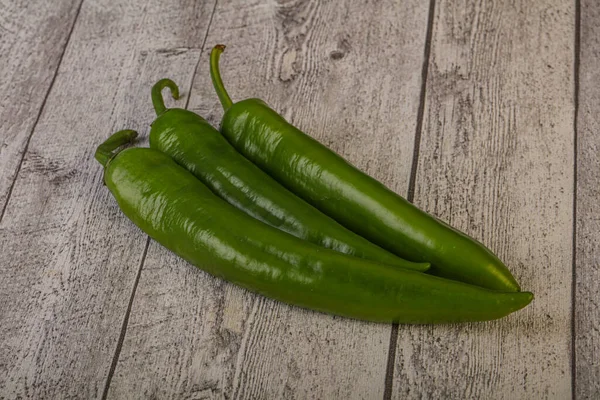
column 354, row 199
column 179, row 212
column 196, row 145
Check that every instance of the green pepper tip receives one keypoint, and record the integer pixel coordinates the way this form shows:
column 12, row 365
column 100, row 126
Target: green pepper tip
column 157, row 100
column 215, row 76
column 108, row 149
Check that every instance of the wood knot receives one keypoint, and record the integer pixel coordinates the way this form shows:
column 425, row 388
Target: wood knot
column 337, row 55
column 343, row 47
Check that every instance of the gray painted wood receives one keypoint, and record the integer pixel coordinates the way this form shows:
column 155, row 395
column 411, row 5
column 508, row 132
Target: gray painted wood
column 349, row 74
column 68, row 257
column 33, row 35
column 496, row 160
column 587, row 306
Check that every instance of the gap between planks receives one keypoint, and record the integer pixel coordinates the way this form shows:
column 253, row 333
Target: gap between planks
column 41, row 110
column 576, row 68
column 123, row 332
column 391, row 362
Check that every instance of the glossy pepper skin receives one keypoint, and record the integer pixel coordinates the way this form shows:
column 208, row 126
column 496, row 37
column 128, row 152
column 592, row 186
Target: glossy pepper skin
column 351, row 197
column 168, row 203
column 194, row 144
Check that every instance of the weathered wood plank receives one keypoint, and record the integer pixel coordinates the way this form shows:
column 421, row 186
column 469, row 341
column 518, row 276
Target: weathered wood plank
column 68, row 257
column 587, row 306
column 496, row 160
column 33, row 35
column 349, row 74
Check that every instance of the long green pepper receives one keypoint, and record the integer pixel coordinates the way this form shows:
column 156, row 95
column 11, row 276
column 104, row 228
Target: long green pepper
column 351, row 197
column 168, row 203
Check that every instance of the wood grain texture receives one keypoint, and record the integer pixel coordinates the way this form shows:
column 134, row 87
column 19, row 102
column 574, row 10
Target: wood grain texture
column 68, row 257
column 33, row 35
column 496, row 161
column 349, row 74
column 587, row 306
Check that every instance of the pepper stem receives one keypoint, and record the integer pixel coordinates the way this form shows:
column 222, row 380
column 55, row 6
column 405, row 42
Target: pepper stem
column 157, row 99
column 107, row 150
column 215, row 75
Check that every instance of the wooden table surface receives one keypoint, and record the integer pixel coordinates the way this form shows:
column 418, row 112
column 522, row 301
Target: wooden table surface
column 484, row 113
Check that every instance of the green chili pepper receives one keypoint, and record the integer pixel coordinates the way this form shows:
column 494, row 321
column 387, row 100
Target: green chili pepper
column 178, row 211
column 354, row 199
column 194, row 144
